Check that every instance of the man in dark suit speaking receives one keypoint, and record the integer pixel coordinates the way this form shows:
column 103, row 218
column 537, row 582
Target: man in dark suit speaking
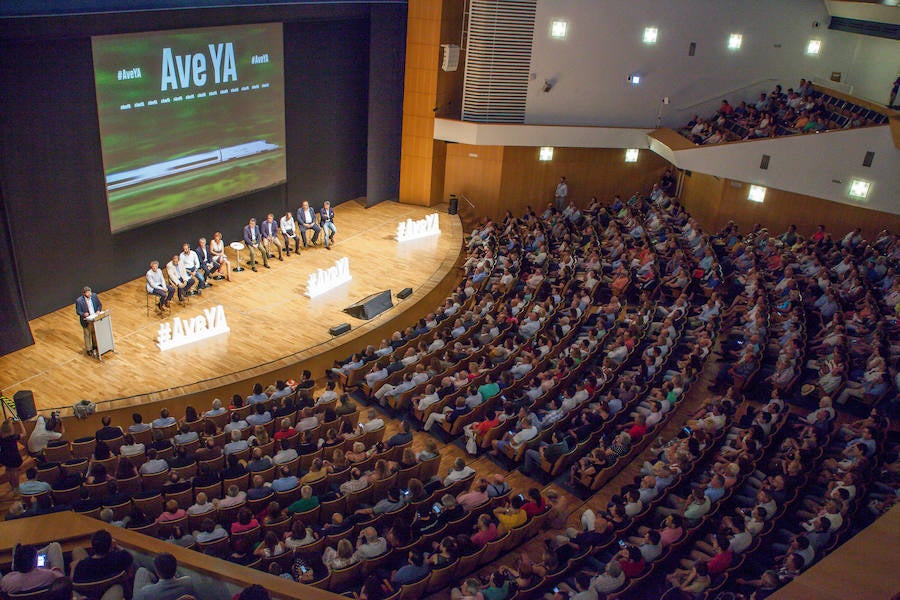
column 86, row 306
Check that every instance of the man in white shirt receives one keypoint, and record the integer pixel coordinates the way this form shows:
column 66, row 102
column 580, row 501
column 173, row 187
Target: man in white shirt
column 289, row 232
column 179, row 277
column 329, row 395
column 41, row 435
column 459, row 471
column 561, row 193
column 428, row 399
column 156, row 285
column 191, row 263
column 378, row 373
column 373, row 422
column 369, row 544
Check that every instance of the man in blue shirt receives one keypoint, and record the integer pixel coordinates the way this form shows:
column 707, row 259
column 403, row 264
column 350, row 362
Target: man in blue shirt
column 286, row 481
column 411, row 572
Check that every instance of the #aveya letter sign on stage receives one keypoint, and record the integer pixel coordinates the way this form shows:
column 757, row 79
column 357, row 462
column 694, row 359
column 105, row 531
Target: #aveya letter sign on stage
column 211, row 322
column 324, row 280
column 412, row 230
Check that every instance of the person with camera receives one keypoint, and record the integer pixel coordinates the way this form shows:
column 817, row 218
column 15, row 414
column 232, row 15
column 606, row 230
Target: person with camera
column 45, row 431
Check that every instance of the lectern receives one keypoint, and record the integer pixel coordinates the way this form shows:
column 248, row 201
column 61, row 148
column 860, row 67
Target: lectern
column 100, row 326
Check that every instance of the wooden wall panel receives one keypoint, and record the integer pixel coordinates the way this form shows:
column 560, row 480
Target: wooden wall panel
column 475, row 171
column 499, row 178
column 427, row 91
column 715, row 201
column 589, row 172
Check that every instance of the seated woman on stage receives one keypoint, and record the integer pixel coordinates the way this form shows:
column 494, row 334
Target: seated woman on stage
column 217, row 249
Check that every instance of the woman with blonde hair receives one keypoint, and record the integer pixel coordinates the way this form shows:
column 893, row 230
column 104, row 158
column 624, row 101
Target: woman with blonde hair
column 260, row 436
column 408, row 459
column 217, row 249
column 339, row 558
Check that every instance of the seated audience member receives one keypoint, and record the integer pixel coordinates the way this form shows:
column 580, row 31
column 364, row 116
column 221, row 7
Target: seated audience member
column 26, row 575
column 104, row 560
column 414, row 570
column 163, row 583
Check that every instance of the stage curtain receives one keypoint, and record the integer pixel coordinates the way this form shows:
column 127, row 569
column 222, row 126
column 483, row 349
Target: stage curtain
column 14, row 330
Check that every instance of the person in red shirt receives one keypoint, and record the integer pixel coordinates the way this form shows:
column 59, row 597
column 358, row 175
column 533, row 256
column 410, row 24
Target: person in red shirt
column 722, row 558
column 536, row 504
column 637, row 428
column 631, row 560
column 285, row 431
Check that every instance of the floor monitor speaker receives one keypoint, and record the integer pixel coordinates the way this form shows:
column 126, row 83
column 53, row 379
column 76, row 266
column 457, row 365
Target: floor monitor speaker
column 339, row 329
column 371, row 306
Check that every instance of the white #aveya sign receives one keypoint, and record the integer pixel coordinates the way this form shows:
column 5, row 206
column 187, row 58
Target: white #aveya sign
column 186, row 331
column 324, row 280
column 413, row 230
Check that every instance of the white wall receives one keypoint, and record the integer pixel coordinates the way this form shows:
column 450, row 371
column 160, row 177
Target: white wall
column 589, row 68
column 490, row 134
column 874, row 64
column 838, row 159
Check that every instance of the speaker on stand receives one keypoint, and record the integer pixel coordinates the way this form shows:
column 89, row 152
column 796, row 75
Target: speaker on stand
column 24, row 400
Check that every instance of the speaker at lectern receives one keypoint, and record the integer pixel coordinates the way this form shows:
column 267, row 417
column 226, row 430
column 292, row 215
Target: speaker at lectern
column 96, row 323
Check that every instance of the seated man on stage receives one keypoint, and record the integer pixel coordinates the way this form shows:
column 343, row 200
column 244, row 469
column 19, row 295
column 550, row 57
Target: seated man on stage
column 191, row 263
column 86, row 306
column 306, row 219
column 326, row 221
column 156, row 285
column 179, row 277
column 270, row 235
column 208, row 263
column 253, row 240
column 289, row 232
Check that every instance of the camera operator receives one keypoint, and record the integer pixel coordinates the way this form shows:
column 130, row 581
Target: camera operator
column 45, row 431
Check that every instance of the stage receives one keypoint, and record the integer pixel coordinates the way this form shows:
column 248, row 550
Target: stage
column 274, row 327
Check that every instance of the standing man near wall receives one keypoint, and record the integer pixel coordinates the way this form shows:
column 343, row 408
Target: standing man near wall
column 562, row 191
column 86, row 306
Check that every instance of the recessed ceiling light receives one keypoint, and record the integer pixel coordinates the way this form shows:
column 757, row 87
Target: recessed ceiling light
column 813, row 47
column 757, row 193
column 734, row 41
column 634, row 78
column 631, row 155
column 650, row 35
column 559, row 29
column 859, row 189
column 546, row 153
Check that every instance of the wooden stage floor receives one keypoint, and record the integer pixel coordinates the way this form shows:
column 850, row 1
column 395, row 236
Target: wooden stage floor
column 269, row 317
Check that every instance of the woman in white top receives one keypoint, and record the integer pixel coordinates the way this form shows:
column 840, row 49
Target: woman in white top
column 217, row 249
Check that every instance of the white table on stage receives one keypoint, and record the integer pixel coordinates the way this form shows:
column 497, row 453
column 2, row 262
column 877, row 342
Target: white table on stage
column 101, row 326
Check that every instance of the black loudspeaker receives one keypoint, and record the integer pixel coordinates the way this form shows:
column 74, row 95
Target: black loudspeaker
column 454, row 205
column 24, row 400
column 339, row 329
column 371, row 306
column 404, row 293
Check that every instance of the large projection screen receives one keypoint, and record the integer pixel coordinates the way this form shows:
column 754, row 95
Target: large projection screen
column 188, row 118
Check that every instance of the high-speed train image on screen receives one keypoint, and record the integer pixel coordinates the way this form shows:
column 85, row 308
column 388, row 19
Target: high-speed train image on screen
column 186, row 163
